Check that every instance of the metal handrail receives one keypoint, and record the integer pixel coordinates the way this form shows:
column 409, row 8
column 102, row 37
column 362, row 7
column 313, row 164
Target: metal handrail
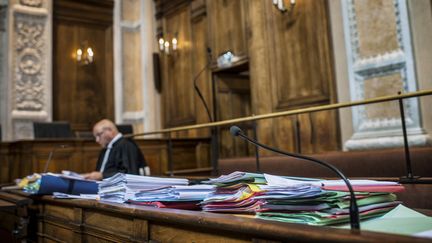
column 290, row 112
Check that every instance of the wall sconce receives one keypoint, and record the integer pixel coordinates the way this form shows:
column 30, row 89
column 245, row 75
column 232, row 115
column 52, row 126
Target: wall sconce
column 279, row 4
column 84, row 55
column 174, row 43
column 164, row 45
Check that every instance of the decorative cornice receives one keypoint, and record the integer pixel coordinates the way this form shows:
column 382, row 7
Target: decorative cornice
column 387, row 142
column 31, row 3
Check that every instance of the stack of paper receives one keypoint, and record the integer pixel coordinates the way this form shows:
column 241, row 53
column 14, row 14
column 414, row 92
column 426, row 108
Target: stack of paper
column 242, row 192
column 362, row 186
column 61, row 195
column 236, row 178
column 374, row 199
column 184, row 197
column 302, row 200
column 120, row 187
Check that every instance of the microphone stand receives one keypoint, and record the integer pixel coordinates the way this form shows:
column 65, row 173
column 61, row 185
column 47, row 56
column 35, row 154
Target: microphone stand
column 353, row 209
column 50, row 156
column 197, row 88
column 214, row 131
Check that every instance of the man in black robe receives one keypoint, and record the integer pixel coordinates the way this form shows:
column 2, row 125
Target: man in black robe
column 119, row 154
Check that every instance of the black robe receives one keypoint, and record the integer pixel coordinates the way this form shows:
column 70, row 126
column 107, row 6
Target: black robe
column 125, row 156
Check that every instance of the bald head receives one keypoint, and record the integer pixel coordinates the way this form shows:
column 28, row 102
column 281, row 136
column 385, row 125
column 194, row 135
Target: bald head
column 104, row 131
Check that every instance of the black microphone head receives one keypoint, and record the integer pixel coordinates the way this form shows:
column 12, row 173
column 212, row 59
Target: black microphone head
column 235, row 130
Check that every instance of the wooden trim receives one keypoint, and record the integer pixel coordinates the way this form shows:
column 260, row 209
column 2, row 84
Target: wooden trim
column 166, row 7
column 98, row 12
column 198, row 10
column 226, row 225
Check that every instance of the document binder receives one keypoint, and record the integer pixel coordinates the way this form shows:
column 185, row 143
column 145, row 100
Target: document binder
column 53, row 183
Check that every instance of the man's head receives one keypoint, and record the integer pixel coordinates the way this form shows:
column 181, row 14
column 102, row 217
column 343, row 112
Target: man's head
column 104, row 131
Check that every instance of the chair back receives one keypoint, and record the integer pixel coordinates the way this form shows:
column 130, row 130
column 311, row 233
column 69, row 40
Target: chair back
column 57, row 129
column 125, row 128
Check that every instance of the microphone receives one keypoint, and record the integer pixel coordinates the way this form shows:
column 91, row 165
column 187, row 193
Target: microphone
column 51, row 154
column 353, row 209
column 197, row 88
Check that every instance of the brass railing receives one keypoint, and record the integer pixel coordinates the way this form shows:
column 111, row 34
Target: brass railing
column 215, row 146
column 290, row 112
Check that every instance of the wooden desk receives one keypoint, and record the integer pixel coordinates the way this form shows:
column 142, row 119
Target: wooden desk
column 14, row 216
column 65, row 220
column 22, row 158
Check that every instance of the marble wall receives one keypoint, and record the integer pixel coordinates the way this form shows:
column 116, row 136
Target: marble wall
column 374, row 57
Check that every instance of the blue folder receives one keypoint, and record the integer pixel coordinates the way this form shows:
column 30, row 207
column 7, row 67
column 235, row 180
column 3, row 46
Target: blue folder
column 50, row 184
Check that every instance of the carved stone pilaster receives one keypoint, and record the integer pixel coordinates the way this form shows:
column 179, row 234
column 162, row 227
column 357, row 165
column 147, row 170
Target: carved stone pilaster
column 28, row 72
column 380, row 63
column 29, row 62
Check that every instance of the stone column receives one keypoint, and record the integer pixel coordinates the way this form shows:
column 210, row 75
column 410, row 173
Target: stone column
column 136, row 99
column 27, row 62
column 380, row 62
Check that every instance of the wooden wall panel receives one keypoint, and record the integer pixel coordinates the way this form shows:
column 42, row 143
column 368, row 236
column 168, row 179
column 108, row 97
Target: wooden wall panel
column 82, row 94
column 261, row 75
column 22, row 158
column 287, row 65
column 227, row 25
column 290, row 59
column 301, row 55
column 177, row 84
column 233, row 101
column 201, row 64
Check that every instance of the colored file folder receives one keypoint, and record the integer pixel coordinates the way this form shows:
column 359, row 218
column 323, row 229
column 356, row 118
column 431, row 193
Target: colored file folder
column 52, row 183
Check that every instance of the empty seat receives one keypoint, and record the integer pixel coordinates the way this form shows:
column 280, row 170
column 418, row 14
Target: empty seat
column 58, row 129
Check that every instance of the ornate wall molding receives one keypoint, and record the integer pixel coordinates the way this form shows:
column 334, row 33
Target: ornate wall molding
column 29, row 73
column 380, row 63
column 28, row 64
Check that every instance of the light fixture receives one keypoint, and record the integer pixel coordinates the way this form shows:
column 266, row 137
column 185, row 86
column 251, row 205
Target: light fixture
column 84, row 55
column 280, row 5
column 174, row 43
column 161, row 44
column 167, row 46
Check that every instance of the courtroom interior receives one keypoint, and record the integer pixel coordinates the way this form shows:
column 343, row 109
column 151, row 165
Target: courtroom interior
column 347, row 82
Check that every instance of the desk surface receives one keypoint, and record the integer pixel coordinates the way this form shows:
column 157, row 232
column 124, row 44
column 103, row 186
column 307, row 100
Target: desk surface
column 230, row 227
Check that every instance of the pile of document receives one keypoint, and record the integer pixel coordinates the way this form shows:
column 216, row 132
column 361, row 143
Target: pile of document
column 173, row 196
column 242, row 192
column 300, row 200
column 123, row 187
column 153, row 191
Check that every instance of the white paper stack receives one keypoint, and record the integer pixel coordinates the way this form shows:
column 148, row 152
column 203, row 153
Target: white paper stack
column 120, row 187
